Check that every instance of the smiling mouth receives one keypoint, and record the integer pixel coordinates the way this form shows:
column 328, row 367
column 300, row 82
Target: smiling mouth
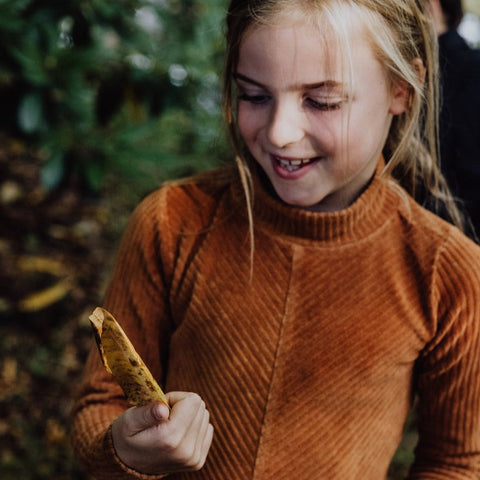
column 291, row 165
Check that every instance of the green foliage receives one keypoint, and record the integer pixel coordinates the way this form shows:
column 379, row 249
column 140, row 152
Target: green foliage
column 131, row 85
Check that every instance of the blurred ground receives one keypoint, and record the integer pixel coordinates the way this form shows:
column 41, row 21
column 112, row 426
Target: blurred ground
column 56, row 252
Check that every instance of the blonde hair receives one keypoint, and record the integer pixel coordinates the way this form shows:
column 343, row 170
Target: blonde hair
column 400, row 32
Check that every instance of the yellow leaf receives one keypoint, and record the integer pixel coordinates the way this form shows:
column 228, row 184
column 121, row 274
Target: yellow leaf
column 120, row 358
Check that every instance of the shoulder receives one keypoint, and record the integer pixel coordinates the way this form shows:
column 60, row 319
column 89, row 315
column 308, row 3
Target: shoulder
column 189, row 201
column 455, row 258
column 433, row 231
column 171, row 221
column 458, row 53
column 452, row 42
column 445, row 264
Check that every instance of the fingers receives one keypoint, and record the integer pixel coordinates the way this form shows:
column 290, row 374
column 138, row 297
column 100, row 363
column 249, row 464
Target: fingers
column 201, row 441
column 204, row 442
column 188, row 409
column 194, row 431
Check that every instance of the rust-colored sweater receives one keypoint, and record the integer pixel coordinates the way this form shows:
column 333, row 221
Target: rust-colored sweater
column 308, row 370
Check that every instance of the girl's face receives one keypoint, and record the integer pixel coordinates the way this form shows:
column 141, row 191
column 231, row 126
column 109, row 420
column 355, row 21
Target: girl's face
column 318, row 141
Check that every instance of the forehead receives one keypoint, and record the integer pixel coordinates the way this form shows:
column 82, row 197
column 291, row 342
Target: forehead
column 303, row 53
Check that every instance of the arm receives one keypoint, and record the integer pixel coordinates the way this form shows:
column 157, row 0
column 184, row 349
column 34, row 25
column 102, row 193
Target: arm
column 449, row 373
column 103, row 426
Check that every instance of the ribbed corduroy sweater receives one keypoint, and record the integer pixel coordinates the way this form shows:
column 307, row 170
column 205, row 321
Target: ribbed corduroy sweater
column 308, row 368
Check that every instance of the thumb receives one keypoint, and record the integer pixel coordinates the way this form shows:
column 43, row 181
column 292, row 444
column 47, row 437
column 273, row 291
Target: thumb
column 145, row 417
column 160, row 412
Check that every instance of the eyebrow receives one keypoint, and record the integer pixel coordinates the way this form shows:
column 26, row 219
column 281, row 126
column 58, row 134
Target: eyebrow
column 308, row 86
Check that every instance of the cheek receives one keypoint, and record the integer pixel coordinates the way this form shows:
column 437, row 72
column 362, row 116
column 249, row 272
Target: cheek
column 327, row 133
column 242, row 122
column 248, row 122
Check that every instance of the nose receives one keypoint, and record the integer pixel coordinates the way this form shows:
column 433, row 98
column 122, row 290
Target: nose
column 285, row 125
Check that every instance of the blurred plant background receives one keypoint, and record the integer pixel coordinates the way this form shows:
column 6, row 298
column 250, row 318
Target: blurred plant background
column 130, row 86
column 101, row 101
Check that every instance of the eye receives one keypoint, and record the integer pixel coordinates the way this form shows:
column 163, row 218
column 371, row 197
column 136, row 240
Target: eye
column 325, row 105
column 255, row 99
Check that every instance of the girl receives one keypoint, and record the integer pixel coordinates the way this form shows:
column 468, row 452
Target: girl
column 305, row 297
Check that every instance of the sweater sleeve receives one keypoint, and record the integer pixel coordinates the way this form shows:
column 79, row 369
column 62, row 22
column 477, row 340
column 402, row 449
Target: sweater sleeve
column 449, row 370
column 138, row 297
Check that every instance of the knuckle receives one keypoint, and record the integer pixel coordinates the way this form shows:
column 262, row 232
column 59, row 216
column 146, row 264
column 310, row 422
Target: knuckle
column 196, row 399
column 196, row 464
column 186, row 456
column 200, row 462
column 172, row 442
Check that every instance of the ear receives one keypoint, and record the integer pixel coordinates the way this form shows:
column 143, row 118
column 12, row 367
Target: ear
column 403, row 92
column 400, row 97
column 420, row 69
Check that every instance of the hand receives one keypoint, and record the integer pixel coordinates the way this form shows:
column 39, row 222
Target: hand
column 151, row 439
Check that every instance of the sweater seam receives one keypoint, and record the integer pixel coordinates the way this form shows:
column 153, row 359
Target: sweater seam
column 433, row 304
column 274, row 368
column 327, row 244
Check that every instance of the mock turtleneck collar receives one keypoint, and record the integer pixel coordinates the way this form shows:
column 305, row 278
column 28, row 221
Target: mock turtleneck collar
column 369, row 212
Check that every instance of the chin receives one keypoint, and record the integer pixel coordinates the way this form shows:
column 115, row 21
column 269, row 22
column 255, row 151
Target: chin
column 307, row 204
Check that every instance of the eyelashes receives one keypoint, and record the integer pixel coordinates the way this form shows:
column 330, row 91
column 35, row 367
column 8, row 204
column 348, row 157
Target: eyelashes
column 315, row 104
column 324, row 106
column 255, row 99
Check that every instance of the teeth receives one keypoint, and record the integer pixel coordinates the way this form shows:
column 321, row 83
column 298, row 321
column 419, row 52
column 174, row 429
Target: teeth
column 292, row 165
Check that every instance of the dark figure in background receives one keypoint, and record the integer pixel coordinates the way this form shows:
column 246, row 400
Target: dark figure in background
column 460, row 107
